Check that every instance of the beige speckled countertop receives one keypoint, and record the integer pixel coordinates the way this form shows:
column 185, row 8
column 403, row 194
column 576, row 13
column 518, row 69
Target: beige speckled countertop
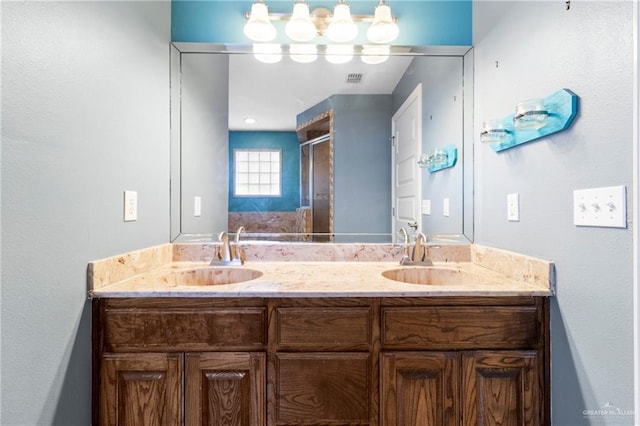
column 321, row 270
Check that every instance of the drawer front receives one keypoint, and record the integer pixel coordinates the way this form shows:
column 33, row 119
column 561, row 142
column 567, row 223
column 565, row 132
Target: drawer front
column 323, row 328
column 182, row 329
column 464, row 327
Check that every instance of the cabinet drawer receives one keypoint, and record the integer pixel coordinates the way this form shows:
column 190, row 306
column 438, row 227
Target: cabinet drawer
column 463, row 327
column 185, row 329
column 323, row 328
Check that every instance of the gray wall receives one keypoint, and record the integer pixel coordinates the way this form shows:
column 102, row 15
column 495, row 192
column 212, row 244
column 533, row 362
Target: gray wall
column 540, row 48
column 362, row 161
column 85, row 115
column 205, row 142
column 442, row 124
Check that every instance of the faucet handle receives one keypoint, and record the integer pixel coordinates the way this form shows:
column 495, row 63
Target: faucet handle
column 238, row 232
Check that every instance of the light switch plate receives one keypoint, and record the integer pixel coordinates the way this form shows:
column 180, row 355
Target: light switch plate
column 601, row 207
column 426, row 207
column 130, row 206
column 513, row 207
column 445, row 207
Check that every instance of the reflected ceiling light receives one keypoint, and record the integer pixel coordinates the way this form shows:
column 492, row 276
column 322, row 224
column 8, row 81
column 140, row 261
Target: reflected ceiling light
column 342, row 28
column 268, row 53
column 303, row 53
column 375, row 54
column 300, row 27
column 259, row 27
column 250, row 120
column 383, row 29
column 339, row 53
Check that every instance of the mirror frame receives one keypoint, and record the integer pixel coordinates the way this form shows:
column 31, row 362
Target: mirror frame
column 466, row 235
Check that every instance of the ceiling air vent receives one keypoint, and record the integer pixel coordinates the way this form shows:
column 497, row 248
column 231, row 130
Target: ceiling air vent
column 354, row 78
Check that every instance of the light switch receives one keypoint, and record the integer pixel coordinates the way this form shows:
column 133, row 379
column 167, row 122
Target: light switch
column 426, row 207
column 513, row 207
column 197, row 206
column 605, row 207
column 130, row 206
column 445, row 207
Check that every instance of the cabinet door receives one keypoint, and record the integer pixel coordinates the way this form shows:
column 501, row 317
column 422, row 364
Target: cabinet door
column 141, row 389
column 323, row 388
column 225, row 388
column 419, row 388
column 501, row 388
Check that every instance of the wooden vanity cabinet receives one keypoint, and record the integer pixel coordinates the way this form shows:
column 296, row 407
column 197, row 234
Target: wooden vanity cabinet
column 176, row 361
column 322, row 367
column 321, row 361
column 465, row 361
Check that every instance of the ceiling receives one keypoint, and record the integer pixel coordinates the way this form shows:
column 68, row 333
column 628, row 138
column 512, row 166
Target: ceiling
column 273, row 94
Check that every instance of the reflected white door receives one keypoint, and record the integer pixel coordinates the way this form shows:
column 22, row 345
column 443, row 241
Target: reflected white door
column 406, row 127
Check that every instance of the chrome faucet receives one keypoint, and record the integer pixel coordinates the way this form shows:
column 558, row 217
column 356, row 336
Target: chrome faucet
column 418, row 254
column 226, row 253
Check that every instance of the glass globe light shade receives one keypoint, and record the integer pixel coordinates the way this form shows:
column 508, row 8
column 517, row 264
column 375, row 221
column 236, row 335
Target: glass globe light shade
column 300, row 27
column 342, row 28
column 383, row 29
column 303, row 53
column 259, row 27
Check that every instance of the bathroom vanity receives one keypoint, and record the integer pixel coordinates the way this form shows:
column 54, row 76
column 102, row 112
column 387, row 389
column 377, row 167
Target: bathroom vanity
column 336, row 344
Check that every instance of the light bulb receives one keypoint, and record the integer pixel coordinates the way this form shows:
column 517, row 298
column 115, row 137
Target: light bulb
column 300, row 27
column 259, row 27
column 342, row 28
column 267, row 52
column 303, row 53
column 339, row 53
column 383, row 29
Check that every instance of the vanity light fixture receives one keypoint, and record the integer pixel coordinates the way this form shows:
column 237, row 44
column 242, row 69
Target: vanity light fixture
column 304, row 25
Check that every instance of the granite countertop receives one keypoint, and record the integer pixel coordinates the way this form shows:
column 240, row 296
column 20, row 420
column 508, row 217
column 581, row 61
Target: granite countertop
column 350, row 272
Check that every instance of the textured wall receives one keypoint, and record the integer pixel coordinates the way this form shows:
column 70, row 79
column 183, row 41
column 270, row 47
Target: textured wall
column 539, row 48
column 85, row 115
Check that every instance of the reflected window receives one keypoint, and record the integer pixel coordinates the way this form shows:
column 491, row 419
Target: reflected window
column 257, row 172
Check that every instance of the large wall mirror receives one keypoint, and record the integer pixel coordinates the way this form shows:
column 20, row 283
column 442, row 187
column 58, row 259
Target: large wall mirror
column 233, row 114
